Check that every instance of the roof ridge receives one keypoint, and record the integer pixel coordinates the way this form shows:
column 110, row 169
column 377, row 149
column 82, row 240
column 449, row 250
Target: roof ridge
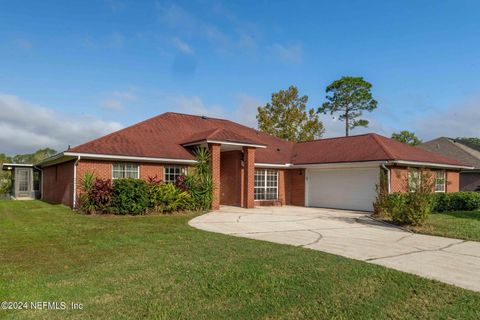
column 332, row 138
column 376, row 137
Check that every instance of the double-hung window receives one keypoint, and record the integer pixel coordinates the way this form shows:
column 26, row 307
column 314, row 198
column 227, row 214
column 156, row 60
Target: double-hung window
column 414, row 180
column 172, row 172
column 440, row 181
column 266, row 184
column 125, row 170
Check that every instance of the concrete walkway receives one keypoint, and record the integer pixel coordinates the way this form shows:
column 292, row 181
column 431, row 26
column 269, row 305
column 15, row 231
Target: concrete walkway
column 354, row 235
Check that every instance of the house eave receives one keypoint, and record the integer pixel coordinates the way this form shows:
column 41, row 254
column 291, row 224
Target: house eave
column 128, row 158
column 429, row 165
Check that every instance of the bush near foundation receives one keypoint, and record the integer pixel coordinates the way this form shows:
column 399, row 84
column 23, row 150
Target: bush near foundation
column 456, row 201
column 130, row 196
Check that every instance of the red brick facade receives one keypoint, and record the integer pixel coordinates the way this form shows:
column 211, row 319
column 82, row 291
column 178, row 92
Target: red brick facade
column 249, row 173
column 295, row 187
column 215, row 166
column 399, row 176
column 58, row 183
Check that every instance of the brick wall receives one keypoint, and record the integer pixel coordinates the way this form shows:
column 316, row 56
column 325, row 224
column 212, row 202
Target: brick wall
column 398, row 178
column 215, row 167
column 249, row 171
column 295, row 187
column 453, row 181
column 58, row 183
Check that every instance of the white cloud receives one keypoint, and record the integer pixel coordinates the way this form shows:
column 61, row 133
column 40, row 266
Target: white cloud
column 460, row 120
column 194, row 105
column 117, row 100
column 246, row 110
column 288, row 53
column 182, row 46
column 181, row 21
column 26, row 127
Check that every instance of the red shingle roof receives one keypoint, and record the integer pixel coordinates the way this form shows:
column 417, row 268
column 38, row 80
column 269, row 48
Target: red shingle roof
column 220, row 134
column 366, row 147
column 163, row 136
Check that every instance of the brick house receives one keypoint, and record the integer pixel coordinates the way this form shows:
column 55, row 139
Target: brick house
column 249, row 167
column 463, row 152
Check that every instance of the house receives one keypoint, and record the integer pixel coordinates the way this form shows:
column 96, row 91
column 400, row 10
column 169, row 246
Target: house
column 25, row 180
column 462, row 152
column 249, row 167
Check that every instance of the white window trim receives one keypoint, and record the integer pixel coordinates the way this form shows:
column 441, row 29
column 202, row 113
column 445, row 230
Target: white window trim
column 125, row 163
column 444, row 181
column 265, row 187
column 183, row 171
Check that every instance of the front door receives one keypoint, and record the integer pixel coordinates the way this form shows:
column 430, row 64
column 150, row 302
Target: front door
column 22, row 183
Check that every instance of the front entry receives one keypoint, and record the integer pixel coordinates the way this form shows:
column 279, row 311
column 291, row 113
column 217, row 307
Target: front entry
column 231, row 178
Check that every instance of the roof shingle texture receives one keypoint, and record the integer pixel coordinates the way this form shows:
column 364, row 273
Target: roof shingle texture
column 163, row 136
column 453, row 149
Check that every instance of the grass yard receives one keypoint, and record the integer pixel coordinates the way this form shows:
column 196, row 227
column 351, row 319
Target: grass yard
column 461, row 225
column 157, row 267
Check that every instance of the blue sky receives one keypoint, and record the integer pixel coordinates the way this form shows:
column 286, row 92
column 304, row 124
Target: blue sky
column 81, row 69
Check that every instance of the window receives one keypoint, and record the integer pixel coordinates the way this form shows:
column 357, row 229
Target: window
column 440, row 181
column 414, row 180
column 172, row 172
column 266, row 185
column 125, row 170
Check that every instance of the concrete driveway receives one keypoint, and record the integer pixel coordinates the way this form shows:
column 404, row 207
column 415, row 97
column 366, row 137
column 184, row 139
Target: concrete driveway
column 354, row 235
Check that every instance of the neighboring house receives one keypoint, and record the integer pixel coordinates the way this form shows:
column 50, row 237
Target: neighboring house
column 463, row 152
column 249, row 167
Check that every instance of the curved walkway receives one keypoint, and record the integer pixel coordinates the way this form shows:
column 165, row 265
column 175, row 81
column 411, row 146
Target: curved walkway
column 354, row 235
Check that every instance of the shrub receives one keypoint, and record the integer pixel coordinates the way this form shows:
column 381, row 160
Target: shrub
column 95, row 194
column 130, row 196
column 412, row 207
column 456, row 201
column 167, row 197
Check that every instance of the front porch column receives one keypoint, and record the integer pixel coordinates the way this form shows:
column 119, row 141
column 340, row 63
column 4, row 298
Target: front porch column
column 249, row 175
column 215, row 167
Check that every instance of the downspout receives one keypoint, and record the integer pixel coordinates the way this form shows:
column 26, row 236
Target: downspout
column 75, row 182
column 388, row 176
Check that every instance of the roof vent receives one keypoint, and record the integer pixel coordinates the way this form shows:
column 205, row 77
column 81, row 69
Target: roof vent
column 204, row 117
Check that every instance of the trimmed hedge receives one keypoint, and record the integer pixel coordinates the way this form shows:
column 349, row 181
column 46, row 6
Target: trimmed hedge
column 456, row 201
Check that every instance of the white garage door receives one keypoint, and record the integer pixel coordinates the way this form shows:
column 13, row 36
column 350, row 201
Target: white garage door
column 352, row 189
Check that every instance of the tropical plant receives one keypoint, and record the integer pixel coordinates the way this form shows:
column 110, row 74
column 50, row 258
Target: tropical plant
column 200, row 183
column 86, row 184
column 166, row 197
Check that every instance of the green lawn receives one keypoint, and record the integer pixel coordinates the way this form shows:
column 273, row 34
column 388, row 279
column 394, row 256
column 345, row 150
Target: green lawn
column 461, row 225
column 157, row 267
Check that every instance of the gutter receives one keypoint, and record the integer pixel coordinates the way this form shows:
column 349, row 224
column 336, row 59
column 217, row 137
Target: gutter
column 429, row 165
column 388, row 177
column 75, row 182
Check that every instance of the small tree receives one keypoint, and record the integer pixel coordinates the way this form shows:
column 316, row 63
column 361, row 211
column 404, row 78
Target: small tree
column 287, row 117
column 350, row 96
column 200, row 183
column 407, row 137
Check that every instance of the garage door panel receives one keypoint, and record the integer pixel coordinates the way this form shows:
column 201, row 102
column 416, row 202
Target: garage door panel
column 352, row 189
